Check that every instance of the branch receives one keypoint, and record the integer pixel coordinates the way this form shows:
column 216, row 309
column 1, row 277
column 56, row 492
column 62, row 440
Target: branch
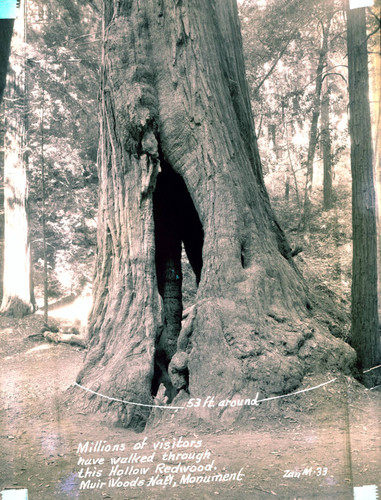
column 65, row 338
column 335, row 74
column 274, row 64
column 77, row 37
column 260, row 127
column 339, row 35
column 373, row 14
column 329, row 69
column 371, row 34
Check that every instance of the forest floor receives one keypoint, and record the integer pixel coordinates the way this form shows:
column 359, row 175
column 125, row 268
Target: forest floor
column 334, row 430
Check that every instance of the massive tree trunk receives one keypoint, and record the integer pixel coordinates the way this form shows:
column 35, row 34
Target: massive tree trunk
column 6, row 30
column 365, row 332
column 178, row 162
column 17, row 288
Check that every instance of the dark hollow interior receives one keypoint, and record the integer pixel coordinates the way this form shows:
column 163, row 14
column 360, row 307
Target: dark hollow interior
column 176, row 223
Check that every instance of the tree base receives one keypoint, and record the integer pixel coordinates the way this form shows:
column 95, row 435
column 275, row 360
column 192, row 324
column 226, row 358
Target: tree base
column 223, row 353
column 15, row 307
column 230, row 355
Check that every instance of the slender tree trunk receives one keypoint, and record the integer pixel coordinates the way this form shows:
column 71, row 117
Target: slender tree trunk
column 2, row 147
column 6, row 30
column 326, row 148
column 313, row 140
column 178, row 161
column 287, row 184
column 290, row 165
column 365, row 333
column 28, row 85
column 17, row 294
column 273, row 139
column 43, row 183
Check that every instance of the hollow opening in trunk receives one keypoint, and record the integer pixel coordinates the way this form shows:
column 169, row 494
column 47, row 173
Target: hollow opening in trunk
column 177, row 227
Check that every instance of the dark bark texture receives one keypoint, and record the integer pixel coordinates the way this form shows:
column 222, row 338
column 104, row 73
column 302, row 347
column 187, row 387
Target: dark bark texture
column 326, row 146
column 6, row 30
column 365, row 328
column 178, row 161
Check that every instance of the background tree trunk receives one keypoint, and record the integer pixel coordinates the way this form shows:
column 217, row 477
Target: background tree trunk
column 17, row 294
column 43, row 214
column 175, row 114
column 2, row 144
column 313, row 140
column 6, row 30
column 365, row 332
column 326, row 146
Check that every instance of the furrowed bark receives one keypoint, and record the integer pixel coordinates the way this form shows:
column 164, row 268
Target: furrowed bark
column 6, row 30
column 179, row 158
column 365, row 327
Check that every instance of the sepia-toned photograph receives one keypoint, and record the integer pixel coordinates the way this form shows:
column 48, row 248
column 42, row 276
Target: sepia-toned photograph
column 190, row 249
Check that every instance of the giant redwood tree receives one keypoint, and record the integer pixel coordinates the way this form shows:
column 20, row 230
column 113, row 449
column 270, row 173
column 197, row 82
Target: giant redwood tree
column 179, row 164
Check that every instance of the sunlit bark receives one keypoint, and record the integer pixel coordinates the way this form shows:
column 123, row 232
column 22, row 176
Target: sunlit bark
column 17, row 291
